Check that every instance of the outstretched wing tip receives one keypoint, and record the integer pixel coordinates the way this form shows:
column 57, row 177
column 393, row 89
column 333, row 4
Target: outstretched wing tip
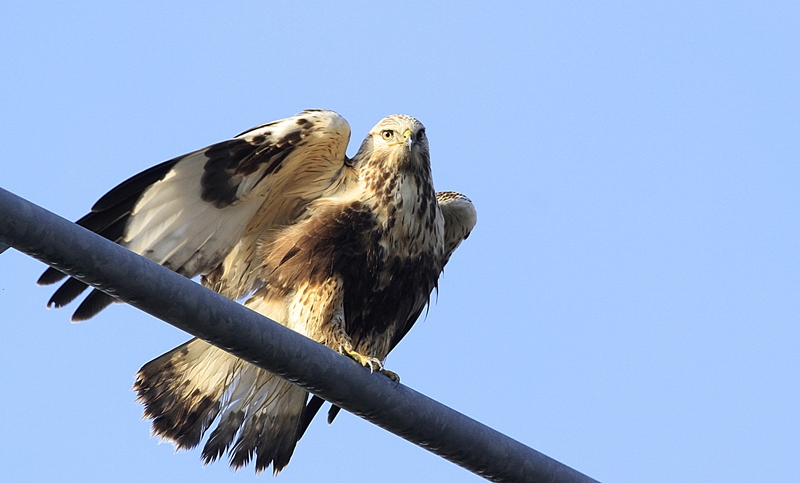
column 49, row 277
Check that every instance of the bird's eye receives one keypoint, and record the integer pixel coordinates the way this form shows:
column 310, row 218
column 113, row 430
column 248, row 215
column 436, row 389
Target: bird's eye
column 421, row 135
column 387, row 134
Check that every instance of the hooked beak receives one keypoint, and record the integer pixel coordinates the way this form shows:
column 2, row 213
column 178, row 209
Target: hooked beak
column 408, row 138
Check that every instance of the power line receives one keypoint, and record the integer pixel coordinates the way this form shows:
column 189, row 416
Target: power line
column 271, row 346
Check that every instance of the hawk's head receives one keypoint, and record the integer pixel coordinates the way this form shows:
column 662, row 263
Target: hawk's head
column 397, row 143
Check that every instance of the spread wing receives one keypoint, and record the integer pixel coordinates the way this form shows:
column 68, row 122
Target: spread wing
column 202, row 213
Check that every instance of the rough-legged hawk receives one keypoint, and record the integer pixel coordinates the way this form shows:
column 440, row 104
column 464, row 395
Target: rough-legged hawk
column 345, row 251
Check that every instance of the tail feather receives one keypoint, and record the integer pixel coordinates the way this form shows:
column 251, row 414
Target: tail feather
column 222, row 436
column 190, row 387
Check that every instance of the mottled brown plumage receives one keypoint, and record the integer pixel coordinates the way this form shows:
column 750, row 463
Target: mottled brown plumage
column 344, row 251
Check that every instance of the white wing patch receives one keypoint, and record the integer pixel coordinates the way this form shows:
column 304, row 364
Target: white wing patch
column 173, row 226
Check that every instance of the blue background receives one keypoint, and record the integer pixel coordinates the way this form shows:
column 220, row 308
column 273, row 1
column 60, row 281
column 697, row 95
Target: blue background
column 627, row 304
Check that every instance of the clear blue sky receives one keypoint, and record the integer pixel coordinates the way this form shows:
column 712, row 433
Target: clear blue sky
column 628, row 303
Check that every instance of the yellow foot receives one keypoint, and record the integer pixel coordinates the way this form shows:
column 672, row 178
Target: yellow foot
column 365, row 361
column 371, row 362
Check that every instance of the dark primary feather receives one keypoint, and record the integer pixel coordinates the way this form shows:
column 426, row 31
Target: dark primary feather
column 107, row 218
column 133, row 187
column 66, row 293
column 109, row 213
column 92, row 305
column 311, row 409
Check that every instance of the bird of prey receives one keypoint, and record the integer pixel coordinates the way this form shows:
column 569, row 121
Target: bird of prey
column 343, row 250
